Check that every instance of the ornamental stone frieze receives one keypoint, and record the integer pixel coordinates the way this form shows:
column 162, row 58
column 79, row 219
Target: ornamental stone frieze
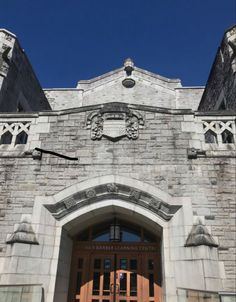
column 114, row 121
column 112, row 191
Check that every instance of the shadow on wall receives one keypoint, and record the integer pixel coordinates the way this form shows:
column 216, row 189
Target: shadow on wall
column 22, row 293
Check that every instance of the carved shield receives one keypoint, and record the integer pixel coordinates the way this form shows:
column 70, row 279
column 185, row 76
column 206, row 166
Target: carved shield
column 114, row 128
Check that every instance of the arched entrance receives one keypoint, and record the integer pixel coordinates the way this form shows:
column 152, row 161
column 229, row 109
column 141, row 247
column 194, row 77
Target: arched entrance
column 115, row 261
column 93, row 202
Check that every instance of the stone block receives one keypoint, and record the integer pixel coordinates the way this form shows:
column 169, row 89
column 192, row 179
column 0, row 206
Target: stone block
column 20, row 249
column 190, row 274
column 213, row 284
column 47, row 251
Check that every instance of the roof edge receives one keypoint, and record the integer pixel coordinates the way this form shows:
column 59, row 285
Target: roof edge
column 146, row 72
column 8, row 32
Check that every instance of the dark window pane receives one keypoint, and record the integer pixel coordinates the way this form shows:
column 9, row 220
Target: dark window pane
column 106, row 284
column 151, row 285
column 107, row 263
column 150, row 264
column 133, row 264
column 80, row 263
column 123, row 284
column 96, row 283
column 78, row 282
column 211, row 137
column 130, row 235
column 97, row 263
column 6, row 138
column 95, row 300
column 133, row 284
column 21, row 138
column 123, row 263
column 227, row 137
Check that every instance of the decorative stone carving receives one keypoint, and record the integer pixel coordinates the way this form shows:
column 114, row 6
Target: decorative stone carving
column 97, row 127
column 128, row 66
column 119, row 192
column 128, row 82
column 132, row 127
column 69, row 203
column 135, row 194
column 114, row 120
column 112, row 188
column 23, row 234
column 155, row 204
column 199, row 235
column 90, row 193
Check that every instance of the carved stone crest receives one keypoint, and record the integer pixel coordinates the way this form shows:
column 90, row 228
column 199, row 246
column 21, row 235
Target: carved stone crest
column 90, row 193
column 135, row 194
column 155, row 204
column 69, row 203
column 114, row 120
column 97, row 127
column 112, row 188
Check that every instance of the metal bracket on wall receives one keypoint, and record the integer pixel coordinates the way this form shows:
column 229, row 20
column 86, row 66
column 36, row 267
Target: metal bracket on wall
column 194, row 153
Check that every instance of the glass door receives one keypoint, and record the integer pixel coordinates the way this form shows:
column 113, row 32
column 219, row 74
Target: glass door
column 113, row 277
column 128, row 278
column 102, row 285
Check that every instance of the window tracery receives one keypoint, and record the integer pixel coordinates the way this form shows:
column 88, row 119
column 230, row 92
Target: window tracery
column 14, row 133
column 219, row 132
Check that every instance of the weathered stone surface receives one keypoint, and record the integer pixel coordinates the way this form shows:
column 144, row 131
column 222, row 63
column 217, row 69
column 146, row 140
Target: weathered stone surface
column 199, row 235
column 161, row 180
column 23, row 234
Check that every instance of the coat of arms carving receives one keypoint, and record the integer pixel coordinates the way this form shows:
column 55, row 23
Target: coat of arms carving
column 114, row 121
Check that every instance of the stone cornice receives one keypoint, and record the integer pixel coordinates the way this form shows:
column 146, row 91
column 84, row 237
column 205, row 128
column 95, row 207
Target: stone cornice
column 100, row 106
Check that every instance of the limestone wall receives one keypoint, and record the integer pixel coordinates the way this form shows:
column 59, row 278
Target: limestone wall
column 157, row 157
column 149, row 89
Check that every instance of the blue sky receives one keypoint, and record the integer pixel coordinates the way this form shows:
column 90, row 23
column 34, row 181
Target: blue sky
column 70, row 40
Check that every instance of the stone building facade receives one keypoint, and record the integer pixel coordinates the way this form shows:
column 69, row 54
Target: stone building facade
column 121, row 189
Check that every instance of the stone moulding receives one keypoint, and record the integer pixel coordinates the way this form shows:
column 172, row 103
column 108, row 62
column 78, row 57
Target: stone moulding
column 199, row 235
column 23, row 234
column 114, row 121
column 112, row 191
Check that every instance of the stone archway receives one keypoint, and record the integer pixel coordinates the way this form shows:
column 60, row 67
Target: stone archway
column 70, row 210
column 96, row 214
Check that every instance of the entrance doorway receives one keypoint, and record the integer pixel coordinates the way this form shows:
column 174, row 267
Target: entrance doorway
column 115, row 263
